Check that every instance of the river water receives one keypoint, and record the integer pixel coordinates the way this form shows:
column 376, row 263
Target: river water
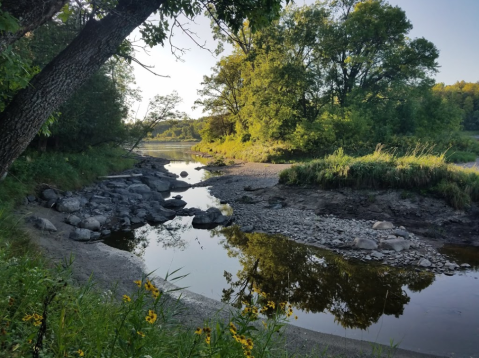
column 416, row 310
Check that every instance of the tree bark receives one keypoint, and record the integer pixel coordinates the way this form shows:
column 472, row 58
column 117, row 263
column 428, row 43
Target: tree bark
column 30, row 14
column 99, row 40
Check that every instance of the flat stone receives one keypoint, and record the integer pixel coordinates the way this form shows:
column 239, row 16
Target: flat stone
column 377, row 254
column 183, row 174
column 100, row 199
column 365, row 244
column 465, row 265
column 383, row 225
column 247, row 228
column 44, row 224
column 156, row 184
column 101, row 219
column 174, row 203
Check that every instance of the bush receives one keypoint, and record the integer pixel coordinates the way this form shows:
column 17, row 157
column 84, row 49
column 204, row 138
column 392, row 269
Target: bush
column 418, row 170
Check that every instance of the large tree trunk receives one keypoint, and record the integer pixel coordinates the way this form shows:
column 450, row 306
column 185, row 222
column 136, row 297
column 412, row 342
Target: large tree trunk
column 30, row 14
column 99, row 40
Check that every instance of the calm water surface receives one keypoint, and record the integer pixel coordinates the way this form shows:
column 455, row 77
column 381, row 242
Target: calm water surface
column 422, row 312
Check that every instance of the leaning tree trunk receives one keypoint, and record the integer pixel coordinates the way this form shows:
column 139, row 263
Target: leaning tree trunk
column 30, row 14
column 99, row 40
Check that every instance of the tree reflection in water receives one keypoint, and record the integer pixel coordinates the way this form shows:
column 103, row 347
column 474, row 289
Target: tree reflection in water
column 315, row 280
column 169, row 235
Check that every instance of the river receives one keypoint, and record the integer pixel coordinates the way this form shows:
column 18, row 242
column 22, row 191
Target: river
column 419, row 311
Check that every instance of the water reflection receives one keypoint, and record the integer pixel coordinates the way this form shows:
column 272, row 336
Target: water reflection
column 315, row 280
column 462, row 254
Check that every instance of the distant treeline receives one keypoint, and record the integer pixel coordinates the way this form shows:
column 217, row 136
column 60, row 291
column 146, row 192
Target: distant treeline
column 188, row 130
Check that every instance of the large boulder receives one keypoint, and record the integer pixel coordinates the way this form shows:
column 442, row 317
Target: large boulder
column 73, row 220
column 139, row 188
column 383, row 225
column 423, row 262
column 364, row 244
column 49, row 194
column 44, row 224
column 396, row 244
column 68, row 205
column 174, row 203
column 80, row 234
column 156, row 218
column 179, row 184
column 167, row 213
column 210, row 218
column 156, row 184
column 91, row 224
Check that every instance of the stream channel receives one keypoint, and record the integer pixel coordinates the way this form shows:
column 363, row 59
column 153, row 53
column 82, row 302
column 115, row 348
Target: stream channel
column 419, row 311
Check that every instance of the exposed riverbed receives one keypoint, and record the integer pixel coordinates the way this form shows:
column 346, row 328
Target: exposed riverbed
column 334, row 289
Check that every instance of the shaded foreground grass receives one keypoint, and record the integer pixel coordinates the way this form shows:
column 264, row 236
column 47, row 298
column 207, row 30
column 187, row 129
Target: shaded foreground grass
column 417, row 170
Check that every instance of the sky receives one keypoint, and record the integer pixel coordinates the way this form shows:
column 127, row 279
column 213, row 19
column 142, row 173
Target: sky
column 452, row 25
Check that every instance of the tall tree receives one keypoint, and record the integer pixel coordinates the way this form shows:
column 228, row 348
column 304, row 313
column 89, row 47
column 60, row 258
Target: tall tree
column 98, row 41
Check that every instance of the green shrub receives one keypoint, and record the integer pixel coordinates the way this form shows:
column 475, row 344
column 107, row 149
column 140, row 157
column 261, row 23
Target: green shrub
column 415, row 171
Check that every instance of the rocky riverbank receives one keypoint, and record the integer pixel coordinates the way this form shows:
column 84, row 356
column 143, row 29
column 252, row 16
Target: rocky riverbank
column 122, row 202
column 385, row 227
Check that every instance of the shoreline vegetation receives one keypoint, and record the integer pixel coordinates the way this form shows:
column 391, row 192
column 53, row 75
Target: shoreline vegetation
column 418, row 170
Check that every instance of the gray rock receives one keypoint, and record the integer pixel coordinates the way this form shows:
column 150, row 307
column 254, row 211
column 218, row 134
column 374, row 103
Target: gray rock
column 202, row 219
column 101, row 219
column 183, row 174
column 95, row 236
column 73, row 220
column 336, row 242
column 80, row 234
column 179, row 184
column 155, row 196
column 377, row 255
column 44, row 224
column 156, row 218
column 465, row 266
column 395, row 244
column 125, row 221
column 167, row 213
column 49, row 194
column 156, row 184
column 139, row 188
column 383, row 225
column 365, row 244
column 68, row 205
column 31, row 198
column 174, row 203
column 105, row 232
column 247, row 228
column 424, row 262
column 100, row 199
column 90, row 224
column 402, row 233
column 177, row 197
column 50, row 203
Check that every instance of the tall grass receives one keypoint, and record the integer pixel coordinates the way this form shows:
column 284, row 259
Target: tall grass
column 416, row 170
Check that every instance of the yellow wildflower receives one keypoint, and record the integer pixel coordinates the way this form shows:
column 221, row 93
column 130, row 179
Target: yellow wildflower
column 37, row 317
column 80, row 353
column 271, row 304
column 265, row 324
column 208, row 339
column 140, row 333
column 148, row 285
column 155, row 292
column 126, row 298
column 207, row 330
column 37, row 323
column 198, row 330
column 27, row 318
column 151, row 318
column 138, row 283
column 263, row 294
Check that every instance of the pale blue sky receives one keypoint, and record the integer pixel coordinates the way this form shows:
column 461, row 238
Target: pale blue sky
column 452, row 25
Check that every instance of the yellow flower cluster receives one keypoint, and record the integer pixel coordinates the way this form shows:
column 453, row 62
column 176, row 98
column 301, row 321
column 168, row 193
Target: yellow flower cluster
column 37, row 319
column 247, row 343
column 206, row 331
column 126, row 298
column 80, row 353
column 259, row 292
column 149, row 287
column 151, row 317
column 251, row 310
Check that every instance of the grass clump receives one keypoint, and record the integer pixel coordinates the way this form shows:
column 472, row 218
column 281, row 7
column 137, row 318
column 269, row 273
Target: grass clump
column 417, row 170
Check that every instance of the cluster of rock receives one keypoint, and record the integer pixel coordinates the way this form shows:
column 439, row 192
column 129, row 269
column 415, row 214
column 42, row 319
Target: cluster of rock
column 117, row 203
column 363, row 240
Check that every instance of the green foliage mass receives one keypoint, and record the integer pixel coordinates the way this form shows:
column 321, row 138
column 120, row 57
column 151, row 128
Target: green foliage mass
column 418, row 170
column 324, row 76
column 466, row 96
column 187, row 130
